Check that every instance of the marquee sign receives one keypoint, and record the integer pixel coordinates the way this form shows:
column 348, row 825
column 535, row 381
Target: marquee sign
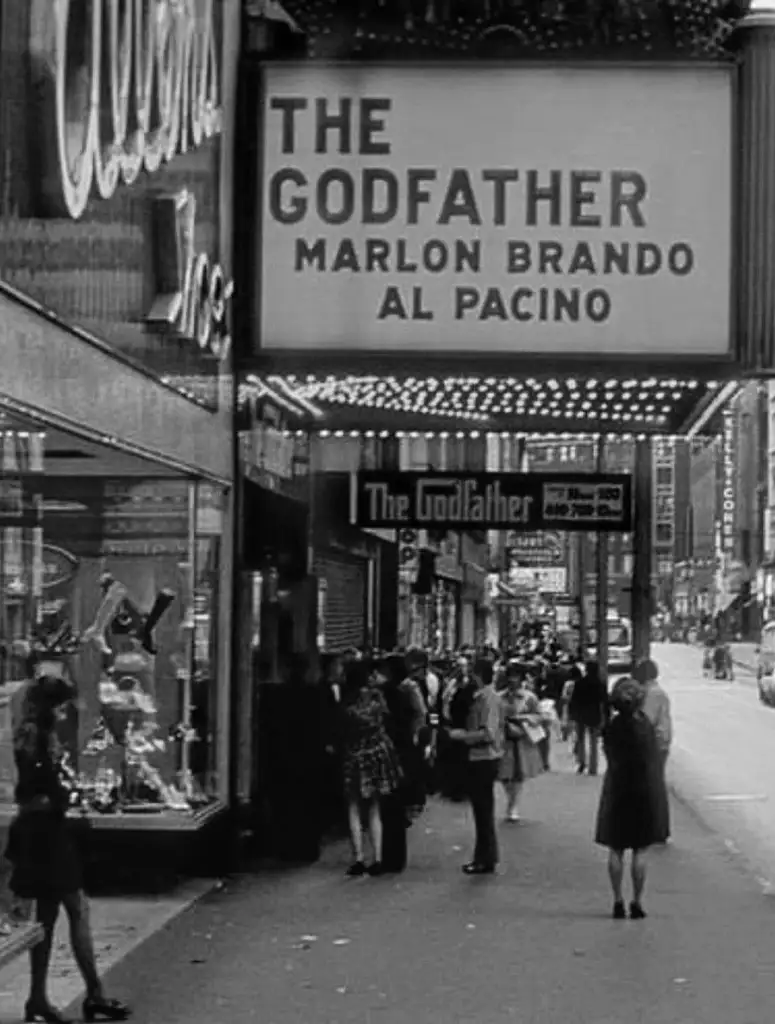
column 127, row 85
column 480, row 209
column 492, row 501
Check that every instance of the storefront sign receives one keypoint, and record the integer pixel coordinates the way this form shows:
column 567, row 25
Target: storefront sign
column 538, row 549
column 531, row 230
column 128, row 84
column 193, row 292
column 493, row 501
column 729, row 483
column 545, row 580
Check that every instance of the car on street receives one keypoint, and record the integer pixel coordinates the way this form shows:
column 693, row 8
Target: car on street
column 765, row 665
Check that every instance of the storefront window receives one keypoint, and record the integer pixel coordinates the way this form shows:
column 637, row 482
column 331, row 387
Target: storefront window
column 126, row 591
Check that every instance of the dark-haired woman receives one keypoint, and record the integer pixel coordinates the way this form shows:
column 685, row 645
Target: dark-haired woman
column 43, row 851
column 633, row 802
column 370, row 764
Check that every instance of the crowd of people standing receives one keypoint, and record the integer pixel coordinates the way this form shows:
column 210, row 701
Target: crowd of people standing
column 402, row 726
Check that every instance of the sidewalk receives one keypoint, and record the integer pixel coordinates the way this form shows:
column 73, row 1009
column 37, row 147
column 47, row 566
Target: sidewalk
column 535, row 945
column 120, row 925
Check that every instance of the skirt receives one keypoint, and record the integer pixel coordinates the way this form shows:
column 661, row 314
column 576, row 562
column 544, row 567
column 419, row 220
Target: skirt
column 371, row 772
column 633, row 814
column 44, row 853
column 521, row 761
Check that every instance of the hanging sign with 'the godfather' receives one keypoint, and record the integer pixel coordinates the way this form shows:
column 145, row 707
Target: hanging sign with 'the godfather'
column 126, row 85
column 493, row 501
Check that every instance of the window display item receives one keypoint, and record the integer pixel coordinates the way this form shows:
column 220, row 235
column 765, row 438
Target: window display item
column 119, row 614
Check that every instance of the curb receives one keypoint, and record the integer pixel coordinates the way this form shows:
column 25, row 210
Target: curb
column 729, row 846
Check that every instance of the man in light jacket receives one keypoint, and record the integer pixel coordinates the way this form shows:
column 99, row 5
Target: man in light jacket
column 656, row 706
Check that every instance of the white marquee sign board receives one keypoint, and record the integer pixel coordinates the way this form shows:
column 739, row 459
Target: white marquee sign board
column 546, row 210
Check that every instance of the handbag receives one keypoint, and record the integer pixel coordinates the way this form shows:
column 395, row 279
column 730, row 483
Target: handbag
column 533, row 733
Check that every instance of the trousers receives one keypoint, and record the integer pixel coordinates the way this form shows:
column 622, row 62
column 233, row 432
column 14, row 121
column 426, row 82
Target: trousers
column 481, row 793
column 584, row 732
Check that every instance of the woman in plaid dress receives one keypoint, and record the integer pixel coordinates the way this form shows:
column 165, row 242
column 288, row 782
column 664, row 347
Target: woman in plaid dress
column 371, row 767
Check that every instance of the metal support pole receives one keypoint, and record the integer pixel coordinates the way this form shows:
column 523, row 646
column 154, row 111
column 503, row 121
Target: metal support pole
column 642, row 544
column 581, row 572
column 602, row 583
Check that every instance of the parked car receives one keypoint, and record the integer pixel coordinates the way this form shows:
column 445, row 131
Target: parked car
column 765, row 665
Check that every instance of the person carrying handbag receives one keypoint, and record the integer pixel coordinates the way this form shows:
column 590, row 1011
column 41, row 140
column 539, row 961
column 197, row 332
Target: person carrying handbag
column 523, row 735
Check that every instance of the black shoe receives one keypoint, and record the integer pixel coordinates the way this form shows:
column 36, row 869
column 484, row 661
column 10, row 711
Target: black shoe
column 618, row 911
column 357, row 869
column 593, row 771
column 44, row 1012
column 478, row 869
column 376, row 869
column 581, row 769
column 104, row 1009
column 637, row 913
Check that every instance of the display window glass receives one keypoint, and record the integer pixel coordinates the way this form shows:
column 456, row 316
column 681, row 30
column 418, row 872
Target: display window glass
column 123, row 581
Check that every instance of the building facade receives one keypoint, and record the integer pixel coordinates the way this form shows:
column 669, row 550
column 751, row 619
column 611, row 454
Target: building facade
column 116, row 397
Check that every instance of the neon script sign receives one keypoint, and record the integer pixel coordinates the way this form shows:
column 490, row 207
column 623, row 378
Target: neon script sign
column 193, row 293
column 132, row 85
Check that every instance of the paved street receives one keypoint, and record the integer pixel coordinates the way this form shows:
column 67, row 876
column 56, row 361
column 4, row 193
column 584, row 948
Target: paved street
column 535, row 945
column 723, row 761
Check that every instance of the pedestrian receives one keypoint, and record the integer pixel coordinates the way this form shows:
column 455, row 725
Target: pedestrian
column 656, row 707
column 332, row 679
column 416, row 695
column 522, row 723
column 42, row 847
column 631, row 812
column 483, row 737
column 406, row 714
column 587, row 710
column 370, row 764
column 452, row 758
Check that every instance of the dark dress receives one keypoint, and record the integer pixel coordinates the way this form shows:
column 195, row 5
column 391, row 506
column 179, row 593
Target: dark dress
column 633, row 813
column 370, row 764
column 42, row 842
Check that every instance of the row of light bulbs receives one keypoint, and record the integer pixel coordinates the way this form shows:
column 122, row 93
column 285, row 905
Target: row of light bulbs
column 429, row 435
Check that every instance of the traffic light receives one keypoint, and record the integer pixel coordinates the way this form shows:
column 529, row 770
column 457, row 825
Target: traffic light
column 408, row 554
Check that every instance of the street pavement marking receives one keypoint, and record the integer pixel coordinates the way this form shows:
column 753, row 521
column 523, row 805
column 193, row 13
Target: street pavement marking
column 736, row 797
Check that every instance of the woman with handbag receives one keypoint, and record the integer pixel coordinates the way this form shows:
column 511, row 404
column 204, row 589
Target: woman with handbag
column 43, row 849
column 523, row 733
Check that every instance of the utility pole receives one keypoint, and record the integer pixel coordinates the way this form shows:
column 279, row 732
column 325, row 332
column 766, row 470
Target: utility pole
column 602, row 582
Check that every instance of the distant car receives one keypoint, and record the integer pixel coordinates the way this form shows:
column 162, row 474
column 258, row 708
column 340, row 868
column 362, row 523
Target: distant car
column 765, row 665
column 619, row 646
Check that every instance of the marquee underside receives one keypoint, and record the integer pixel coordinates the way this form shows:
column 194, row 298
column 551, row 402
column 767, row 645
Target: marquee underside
column 579, row 404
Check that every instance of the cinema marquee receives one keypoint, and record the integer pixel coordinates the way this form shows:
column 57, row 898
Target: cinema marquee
column 488, row 209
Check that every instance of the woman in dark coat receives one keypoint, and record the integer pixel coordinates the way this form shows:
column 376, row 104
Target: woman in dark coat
column 42, row 846
column 633, row 811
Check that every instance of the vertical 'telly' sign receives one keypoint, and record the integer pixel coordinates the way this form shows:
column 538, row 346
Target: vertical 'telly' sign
column 126, row 85
column 729, row 484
